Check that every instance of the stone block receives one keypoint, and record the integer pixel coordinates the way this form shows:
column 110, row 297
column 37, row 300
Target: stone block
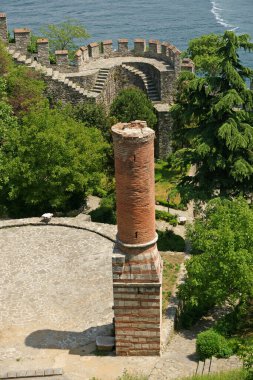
column 94, row 50
column 43, row 51
column 154, row 46
column 3, row 27
column 123, row 45
column 107, row 47
column 139, row 46
column 49, row 372
column 22, row 39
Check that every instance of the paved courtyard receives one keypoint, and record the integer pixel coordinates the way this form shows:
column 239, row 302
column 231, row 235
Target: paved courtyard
column 56, row 297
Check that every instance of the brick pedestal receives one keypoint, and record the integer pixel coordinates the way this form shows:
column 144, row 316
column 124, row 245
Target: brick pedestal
column 137, row 266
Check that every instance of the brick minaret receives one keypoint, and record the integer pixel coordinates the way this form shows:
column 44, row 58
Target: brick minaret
column 137, row 266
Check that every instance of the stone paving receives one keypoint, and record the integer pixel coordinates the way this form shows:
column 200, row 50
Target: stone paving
column 56, row 297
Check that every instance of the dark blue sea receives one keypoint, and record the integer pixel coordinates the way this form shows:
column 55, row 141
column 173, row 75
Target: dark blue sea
column 176, row 21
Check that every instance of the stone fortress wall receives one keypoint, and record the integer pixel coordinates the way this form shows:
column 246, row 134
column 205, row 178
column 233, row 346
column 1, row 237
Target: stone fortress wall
column 101, row 70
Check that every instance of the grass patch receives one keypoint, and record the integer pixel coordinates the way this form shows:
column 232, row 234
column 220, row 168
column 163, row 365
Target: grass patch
column 229, row 375
column 167, row 176
column 168, row 241
column 128, row 376
column 171, row 266
column 164, row 215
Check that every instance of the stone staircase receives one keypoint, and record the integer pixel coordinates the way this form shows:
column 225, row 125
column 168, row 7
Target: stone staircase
column 100, row 81
column 147, row 80
column 50, row 73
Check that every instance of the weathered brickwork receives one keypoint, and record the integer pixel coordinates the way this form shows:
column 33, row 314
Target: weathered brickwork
column 136, row 262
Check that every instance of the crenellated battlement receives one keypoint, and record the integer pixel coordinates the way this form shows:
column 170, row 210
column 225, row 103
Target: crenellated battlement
column 162, row 51
column 100, row 70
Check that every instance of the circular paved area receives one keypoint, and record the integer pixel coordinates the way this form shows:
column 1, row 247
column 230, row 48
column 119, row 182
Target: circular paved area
column 55, row 288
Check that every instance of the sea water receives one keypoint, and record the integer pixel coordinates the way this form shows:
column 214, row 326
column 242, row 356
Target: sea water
column 176, row 21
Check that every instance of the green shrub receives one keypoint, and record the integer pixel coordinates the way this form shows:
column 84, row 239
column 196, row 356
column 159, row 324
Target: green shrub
column 106, row 213
column 164, row 215
column 210, row 343
column 246, row 354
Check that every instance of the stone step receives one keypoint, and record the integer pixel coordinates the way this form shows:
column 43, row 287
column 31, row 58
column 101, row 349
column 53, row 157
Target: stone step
column 100, row 85
column 38, row 67
column 10, row 50
column 101, row 76
column 34, row 64
column 16, row 55
column 28, row 61
column 21, row 58
column 55, row 75
column 49, row 72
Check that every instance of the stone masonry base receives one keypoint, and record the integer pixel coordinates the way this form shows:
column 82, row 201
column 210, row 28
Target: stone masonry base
column 137, row 311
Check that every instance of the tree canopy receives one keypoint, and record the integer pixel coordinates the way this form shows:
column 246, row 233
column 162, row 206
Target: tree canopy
column 49, row 162
column 221, row 268
column 133, row 104
column 62, row 36
column 214, row 124
column 204, row 51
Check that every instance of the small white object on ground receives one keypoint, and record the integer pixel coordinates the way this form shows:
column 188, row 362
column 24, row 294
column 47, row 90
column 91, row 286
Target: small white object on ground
column 47, row 216
column 182, row 219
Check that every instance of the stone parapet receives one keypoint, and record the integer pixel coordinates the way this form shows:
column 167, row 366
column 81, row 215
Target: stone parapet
column 123, row 45
column 3, row 27
column 94, row 51
column 107, row 48
column 43, row 51
column 139, row 46
column 22, row 39
column 62, row 59
column 155, row 46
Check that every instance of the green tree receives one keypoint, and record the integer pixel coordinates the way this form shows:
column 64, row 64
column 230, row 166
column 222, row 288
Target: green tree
column 49, row 162
column 213, row 118
column 221, row 268
column 25, row 89
column 92, row 115
column 132, row 104
column 5, row 59
column 62, row 36
column 204, row 53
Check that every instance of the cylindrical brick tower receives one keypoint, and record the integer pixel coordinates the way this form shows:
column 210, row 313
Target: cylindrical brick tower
column 137, row 264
